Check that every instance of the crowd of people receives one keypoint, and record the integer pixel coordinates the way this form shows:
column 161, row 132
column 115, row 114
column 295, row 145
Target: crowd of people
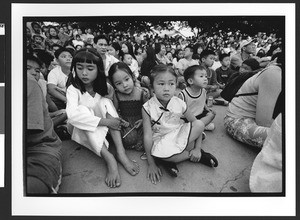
column 144, row 92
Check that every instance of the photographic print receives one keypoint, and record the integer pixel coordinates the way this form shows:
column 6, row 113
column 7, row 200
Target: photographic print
column 136, row 104
column 2, row 104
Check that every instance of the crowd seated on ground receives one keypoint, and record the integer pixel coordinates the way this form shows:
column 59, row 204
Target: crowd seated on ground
column 220, row 54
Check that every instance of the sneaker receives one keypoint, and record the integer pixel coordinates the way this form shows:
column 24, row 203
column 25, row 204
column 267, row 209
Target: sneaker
column 210, row 127
column 203, row 136
column 220, row 102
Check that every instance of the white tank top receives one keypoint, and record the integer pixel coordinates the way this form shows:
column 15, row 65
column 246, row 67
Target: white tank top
column 194, row 103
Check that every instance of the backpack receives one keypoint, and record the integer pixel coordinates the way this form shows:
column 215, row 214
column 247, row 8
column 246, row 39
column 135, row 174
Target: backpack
column 234, row 83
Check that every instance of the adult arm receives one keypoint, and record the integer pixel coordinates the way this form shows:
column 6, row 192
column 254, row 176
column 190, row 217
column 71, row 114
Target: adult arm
column 269, row 87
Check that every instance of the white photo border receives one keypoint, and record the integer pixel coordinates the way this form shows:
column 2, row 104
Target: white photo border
column 149, row 206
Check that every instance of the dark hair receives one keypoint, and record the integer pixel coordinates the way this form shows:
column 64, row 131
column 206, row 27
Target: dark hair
column 88, row 55
column 45, row 57
column 116, row 46
column 272, row 48
column 53, row 27
column 130, row 49
column 37, row 35
column 161, row 68
column 34, row 58
column 206, row 53
column 55, row 45
column 158, row 47
column 35, row 23
column 190, row 72
column 190, row 47
column 253, row 63
column 100, row 37
column 60, row 50
column 196, row 46
column 223, row 55
column 150, row 54
column 119, row 66
column 123, row 55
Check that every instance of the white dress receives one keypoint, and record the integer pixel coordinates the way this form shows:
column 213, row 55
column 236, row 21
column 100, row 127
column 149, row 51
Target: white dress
column 84, row 113
column 170, row 133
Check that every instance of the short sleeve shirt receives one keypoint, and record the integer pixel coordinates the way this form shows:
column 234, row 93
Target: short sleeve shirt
column 58, row 78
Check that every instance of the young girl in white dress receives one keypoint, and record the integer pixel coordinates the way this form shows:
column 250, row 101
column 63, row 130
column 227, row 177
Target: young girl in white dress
column 167, row 138
column 91, row 115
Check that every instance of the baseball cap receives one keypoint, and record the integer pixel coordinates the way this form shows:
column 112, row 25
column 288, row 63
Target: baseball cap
column 245, row 43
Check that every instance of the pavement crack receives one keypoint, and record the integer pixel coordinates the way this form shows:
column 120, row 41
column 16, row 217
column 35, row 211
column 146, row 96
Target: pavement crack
column 235, row 178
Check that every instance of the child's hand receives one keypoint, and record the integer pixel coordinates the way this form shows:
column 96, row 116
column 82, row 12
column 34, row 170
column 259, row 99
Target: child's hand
column 114, row 123
column 211, row 112
column 138, row 123
column 124, row 123
column 195, row 155
column 154, row 173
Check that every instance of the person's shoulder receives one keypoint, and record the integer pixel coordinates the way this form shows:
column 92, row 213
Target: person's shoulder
column 73, row 89
column 55, row 70
column 195, row 62
column 111, row 58
column 177, row 100
column 270, row 71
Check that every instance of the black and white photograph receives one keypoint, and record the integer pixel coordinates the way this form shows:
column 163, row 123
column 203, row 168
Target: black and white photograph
column 130, row 107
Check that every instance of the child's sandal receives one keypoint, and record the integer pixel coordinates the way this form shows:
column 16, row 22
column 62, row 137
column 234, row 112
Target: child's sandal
column 208, row 159
column 170, row 167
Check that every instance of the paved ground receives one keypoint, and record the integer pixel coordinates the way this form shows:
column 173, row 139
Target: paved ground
column 84, row 172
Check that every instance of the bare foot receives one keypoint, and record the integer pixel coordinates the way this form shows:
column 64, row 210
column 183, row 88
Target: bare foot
column 112, row 177
column 129, row 165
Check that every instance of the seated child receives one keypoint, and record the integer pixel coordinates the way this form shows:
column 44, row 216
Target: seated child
column 57, row 77
column 127, row 59
column 213, row 87
column 91, row 115
column 129, row 102
column 167, row 138
column 194, row 95
column 224, row 71
column 43, row 146
column 38, row 42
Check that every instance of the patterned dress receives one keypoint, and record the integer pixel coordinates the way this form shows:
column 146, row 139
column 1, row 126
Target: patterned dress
column 131, row 111
column 170, row 132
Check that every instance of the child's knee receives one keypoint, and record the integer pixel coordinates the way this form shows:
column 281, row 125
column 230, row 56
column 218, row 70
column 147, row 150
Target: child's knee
column 198, row 124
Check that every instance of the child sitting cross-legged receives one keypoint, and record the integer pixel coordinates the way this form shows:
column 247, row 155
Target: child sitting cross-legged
column 167, row 138
column 194, row 95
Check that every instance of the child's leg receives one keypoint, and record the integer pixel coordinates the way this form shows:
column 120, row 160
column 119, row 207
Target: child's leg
column 206, row 117
column 112, row 177
column 194, row 146
column 128, row 164
column 195, row 141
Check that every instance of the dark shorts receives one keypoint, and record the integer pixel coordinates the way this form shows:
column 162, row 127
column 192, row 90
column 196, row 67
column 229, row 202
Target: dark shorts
column 46, row 168
column 203, row 114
